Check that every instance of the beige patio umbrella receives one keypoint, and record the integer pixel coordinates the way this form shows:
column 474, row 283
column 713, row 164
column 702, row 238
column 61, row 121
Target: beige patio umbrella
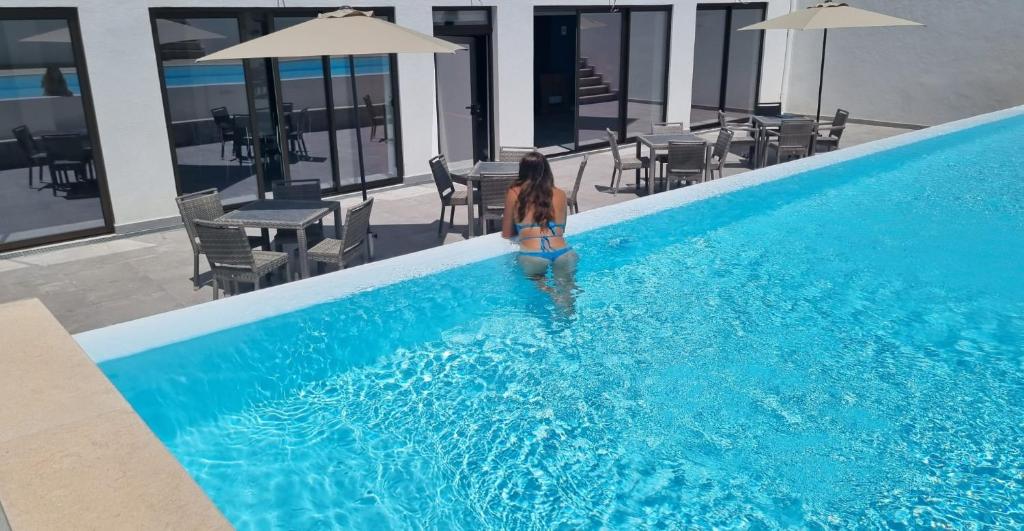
column 346, row 31
column 825, row 16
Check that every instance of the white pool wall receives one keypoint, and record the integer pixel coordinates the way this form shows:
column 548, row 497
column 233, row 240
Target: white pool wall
column 131, row 337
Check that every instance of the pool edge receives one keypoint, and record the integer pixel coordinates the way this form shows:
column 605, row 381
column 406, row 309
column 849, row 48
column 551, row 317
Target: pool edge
column 131, row 337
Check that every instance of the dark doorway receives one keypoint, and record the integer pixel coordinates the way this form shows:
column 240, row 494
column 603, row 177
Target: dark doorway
column 554, row 79
column 464, row 86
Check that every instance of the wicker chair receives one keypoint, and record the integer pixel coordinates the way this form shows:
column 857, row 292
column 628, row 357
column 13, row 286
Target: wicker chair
column 687, row 162
column 354, row 239
column 450, row 197
column 232, row 260
column 625, row 163
column 720, row 152
column 835, row 132
column 36, row 157
column 513, row 153
column 375, row 116
column 572, row 200
column 795, row 138
column 492, row 198
column 297, row 190
column 297, row 127
column 204, row 205
column 741, row 145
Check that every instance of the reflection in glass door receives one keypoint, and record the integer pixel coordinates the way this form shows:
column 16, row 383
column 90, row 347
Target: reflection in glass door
column 598, row 74
column 726, row 64
column 51, row 173
column 554, row 81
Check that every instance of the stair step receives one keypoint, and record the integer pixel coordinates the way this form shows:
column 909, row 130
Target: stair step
column 586, row 71
column 594, row 90
column 582, row 61
column 591, row 81
column 598, row 98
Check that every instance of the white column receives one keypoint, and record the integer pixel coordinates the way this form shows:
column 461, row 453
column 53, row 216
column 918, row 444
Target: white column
column 774, row 66
column 129, row 110
column 513, row 73
column 680, row 68
column 416, row 91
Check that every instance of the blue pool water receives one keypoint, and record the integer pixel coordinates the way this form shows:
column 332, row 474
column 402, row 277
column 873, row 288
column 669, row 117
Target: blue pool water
column 839, row 348
column 194, row 75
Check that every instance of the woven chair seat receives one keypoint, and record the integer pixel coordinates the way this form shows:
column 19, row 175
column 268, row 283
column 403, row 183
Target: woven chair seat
column 632, row 163
column 266, row 261
column 458, row 197
column 329, row 251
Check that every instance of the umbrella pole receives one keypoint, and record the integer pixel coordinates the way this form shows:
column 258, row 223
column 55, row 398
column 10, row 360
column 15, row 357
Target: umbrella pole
column 355, row 114
column 821, row 75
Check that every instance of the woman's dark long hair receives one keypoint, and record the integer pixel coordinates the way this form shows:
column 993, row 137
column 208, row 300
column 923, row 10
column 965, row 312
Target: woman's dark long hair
column 536, row 187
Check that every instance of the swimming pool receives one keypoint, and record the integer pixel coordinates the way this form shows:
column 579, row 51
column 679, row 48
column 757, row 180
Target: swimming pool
column 838, row 347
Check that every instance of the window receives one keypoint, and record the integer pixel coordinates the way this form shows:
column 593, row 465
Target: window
column 648, row 61
column 726, row 63
column 51, row 176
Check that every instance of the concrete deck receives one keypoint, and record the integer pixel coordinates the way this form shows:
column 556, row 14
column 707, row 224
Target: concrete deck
column 107, row 281
column 73, row 453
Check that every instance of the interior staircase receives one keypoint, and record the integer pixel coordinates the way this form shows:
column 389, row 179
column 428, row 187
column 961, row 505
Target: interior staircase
column 591, row 87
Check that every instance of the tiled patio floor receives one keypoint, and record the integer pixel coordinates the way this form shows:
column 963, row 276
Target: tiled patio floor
column 108, row 281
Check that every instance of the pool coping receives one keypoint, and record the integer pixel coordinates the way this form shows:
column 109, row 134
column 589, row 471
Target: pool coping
column 131, row 337
column 73, row 452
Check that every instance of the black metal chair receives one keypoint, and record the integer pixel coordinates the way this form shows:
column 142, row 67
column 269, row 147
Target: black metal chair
column 225, row 124
column 67, row 154
column 35, row 156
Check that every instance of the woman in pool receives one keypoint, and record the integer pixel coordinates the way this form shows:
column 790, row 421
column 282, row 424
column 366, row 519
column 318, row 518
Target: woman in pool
column 535, row 210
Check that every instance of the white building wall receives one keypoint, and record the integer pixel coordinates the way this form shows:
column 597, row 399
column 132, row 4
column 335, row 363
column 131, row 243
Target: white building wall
column 968, row 60
column 121, row 59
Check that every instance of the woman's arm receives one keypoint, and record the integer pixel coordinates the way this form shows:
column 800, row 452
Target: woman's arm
column 508, row 221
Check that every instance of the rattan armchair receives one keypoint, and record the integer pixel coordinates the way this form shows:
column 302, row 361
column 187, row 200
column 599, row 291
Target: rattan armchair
column 513, row 153
column 492, row 198
column 687, row 162
column 835, row 132
column 795, row 139
column 719, row 153
column 450, row 197
column 232, row 260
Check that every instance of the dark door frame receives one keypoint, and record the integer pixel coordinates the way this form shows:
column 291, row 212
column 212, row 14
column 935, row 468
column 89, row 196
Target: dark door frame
column 485, row 33
column 727, row 43
column 70, row 15
column 265, row 15
column 621, row 129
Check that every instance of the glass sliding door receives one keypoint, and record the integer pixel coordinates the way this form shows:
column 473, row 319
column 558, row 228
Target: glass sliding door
column 464, row 86
column 207, row 107
column 726, row 64
column 51, row 176
column 598, row 71
column 648, row 66
column 599, row 77
column 292, row 118
column 304, row 106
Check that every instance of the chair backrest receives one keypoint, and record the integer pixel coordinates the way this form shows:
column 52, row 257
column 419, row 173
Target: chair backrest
column 686, row 157
column 221, row 117
column 368, row 101
column 796, row 133
column 839, row 124
column 514, row 153
column 25, row 140
column 302, row 124
column 204, row 205
column 579, row 180
column 225, row 246
column 68, row 147
column 768, row 109
column 614, row 145
column 492, row 193
column 721, row 150
column 442, row 177
column 723, row 122
column 297, row 189
column 668, row 128
column 357, row 227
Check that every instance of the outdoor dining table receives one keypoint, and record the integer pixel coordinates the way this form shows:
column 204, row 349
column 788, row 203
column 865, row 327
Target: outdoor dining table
column 283, row 214
column 659, row 142
column 480, row 171
column 763, row 124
